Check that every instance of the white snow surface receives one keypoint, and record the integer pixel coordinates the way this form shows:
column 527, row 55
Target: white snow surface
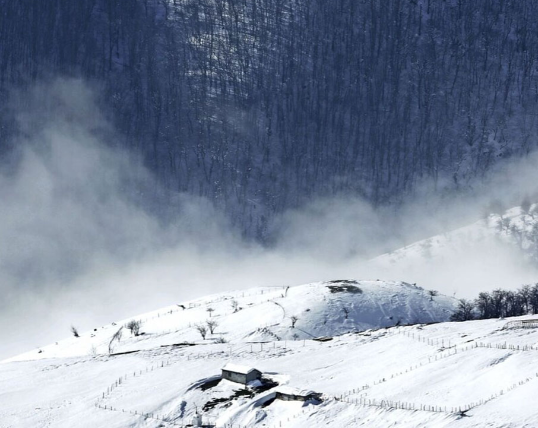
column 236, row 368
column 291, row 390
column 372, row 373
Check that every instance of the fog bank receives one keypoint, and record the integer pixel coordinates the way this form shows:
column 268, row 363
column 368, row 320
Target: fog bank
column 82, row 244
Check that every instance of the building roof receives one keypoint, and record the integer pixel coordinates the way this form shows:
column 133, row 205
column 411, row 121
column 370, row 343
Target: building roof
column 236, row 368
column 291, row 390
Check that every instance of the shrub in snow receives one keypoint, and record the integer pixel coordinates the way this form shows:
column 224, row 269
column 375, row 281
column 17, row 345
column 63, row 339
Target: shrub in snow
column 344, row 287
column 294, row 320
column 134, row 326
column 200, row 328
column 74, row 331
column 211, row 325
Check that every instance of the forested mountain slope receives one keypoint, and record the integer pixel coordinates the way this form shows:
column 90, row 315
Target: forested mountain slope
column 260, row 106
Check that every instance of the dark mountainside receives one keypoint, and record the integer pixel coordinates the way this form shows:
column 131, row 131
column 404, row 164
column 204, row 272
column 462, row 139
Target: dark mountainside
column 262, row 105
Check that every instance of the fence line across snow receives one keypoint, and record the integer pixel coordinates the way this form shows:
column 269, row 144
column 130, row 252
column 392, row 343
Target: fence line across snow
column 346, row 396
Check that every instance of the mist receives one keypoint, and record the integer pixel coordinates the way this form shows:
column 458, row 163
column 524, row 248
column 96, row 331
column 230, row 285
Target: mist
column 82, row 244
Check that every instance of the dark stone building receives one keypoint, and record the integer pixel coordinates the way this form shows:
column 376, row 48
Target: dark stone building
column 240, row 374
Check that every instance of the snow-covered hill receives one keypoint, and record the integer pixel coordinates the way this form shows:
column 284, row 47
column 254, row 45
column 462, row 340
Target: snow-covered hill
column 471, row 374
column 265, row 314
column 498, row 251
column 515, row 227
column 380, row 353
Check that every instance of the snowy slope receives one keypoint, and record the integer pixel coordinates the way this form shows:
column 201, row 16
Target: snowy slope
column 471, row 374
column 266, row 314
column 375, row 371
column 515, row 227
column 495, row 252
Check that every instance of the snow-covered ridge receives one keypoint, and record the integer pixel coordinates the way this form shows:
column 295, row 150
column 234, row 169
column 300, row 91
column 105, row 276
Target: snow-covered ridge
column 264, row 315
column 470, row 374
column 517, row 227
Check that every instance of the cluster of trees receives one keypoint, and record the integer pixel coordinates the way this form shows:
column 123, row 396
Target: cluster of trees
column 499, row 303
column 261, row 105
column 134, row 327
column 524, row 231
column 210, row 325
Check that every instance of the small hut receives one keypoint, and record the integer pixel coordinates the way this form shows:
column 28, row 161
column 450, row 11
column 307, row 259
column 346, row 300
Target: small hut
column 240, row 374
column 288, row 393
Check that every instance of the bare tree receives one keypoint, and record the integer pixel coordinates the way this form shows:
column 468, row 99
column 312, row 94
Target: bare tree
column 534, row 299
column 464, row 312
column 210, row 310
column 74, row 331
column 116, row 337
column 134, row 327
column 517, row 234
column 235, row 305
column 525, row 293
column 212, row 325
column 93, row 350
column 200, row 328
column 503, row 223
column 294, row 320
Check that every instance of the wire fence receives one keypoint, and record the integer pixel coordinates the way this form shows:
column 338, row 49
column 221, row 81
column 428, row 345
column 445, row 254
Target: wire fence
column 241, row 351
column 250, row 349
column 452, row 350
column 475, row 344
column 194, row 305
column 401, row 405
column 395, row 404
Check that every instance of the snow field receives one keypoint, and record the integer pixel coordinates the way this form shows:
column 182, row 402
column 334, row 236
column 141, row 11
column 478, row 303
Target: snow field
column 66, row 390
column 264, row 315
column 407, row 376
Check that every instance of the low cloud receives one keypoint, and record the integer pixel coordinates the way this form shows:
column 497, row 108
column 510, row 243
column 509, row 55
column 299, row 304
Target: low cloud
column 80, row 244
